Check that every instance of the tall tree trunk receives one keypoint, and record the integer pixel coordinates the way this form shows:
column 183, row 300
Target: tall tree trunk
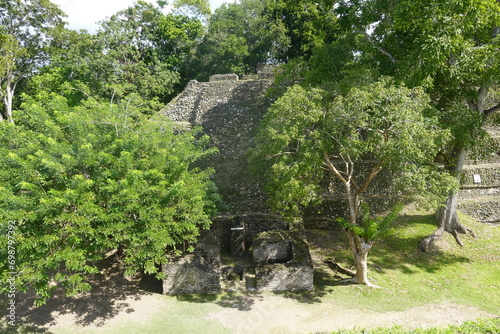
column 8, row 97
column 360, row 249
column 447, row 216
column 359, row 246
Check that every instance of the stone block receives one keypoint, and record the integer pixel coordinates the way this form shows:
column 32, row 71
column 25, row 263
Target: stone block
column 196, row 272
column 272, row 247
column 283, row 262
column 223, row 77
column 188, row 276
column 284, row 277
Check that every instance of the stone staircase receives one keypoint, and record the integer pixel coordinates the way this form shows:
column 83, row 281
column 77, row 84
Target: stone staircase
column 480, row 194
column 230, row 112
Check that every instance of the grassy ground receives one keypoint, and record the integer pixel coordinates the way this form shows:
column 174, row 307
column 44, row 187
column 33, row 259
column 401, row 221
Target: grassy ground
column 490, row 326
column 467, row 276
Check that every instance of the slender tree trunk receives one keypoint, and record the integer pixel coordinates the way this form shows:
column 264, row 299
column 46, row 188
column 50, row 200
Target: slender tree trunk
column 447, row 216
column 359, row 246
column 8, row 97
column 360, row 249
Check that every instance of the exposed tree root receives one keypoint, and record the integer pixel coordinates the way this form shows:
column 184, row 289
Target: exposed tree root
column 452, row 226
column 354, row 280
column 337, row 267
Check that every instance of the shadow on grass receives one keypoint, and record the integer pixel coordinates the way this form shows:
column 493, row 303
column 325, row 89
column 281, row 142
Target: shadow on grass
column 108, row 297
column 399, row 250
column 21, row 329
column 241, row 300
column 325, row 282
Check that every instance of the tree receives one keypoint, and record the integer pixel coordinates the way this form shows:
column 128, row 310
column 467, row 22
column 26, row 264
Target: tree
column 199, row 8
column 82, row 181
column 137, row 50
column 308, row 25
column 312, row 145
column 176, row 40
column 240, row 36
column 449, row 47
column 249, row 33
column 27, row 26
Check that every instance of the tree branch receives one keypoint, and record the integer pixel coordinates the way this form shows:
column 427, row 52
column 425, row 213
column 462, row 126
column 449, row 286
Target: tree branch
column 492, row 110
column 378, row 47
column 370, row 177
column 332, row 168
column 337, row 267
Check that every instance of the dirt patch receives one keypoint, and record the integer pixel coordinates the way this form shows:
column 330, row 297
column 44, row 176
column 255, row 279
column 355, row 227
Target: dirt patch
column 275, row 314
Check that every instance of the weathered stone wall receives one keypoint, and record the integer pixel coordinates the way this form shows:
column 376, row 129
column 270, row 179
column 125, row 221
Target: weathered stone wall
column 252, row 223
column 197, row 272
column 483, row 209
column 273, row 247
column 480, row 194
column 283, row 262
column 223, row 77
column 230, row 112
column 489, row 175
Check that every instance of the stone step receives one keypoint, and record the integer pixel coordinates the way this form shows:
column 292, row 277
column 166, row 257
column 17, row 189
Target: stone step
column 467, row 192
column 486, row 174
column 484, row 209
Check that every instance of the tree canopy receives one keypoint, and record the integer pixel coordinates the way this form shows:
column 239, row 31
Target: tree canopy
column 450, row 48
column 242, row 35
column 137, row 50
column 26, row 27
column 310, row 144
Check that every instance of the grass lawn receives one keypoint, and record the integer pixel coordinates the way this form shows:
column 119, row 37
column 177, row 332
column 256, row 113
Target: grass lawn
column 489, row 326
column 468, row 275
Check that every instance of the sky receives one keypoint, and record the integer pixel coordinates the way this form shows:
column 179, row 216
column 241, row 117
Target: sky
column 84, row 14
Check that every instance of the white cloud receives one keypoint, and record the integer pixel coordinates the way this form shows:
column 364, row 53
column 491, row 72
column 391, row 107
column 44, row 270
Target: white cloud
column 85, row 14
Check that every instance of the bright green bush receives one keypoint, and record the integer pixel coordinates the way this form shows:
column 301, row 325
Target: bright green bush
column 81, row 181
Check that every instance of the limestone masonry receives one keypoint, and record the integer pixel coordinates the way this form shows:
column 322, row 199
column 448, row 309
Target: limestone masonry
column 229, row 110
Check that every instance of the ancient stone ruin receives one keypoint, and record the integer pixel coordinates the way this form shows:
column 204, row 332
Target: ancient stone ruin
column 230, row 111
column 247, row 247
column 480, row 194
column 249, row 252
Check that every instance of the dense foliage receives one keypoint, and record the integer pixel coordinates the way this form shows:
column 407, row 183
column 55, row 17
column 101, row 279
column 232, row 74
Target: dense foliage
column 449, row 48
column 137, row 50
column 248, row 33
column 82, row 181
